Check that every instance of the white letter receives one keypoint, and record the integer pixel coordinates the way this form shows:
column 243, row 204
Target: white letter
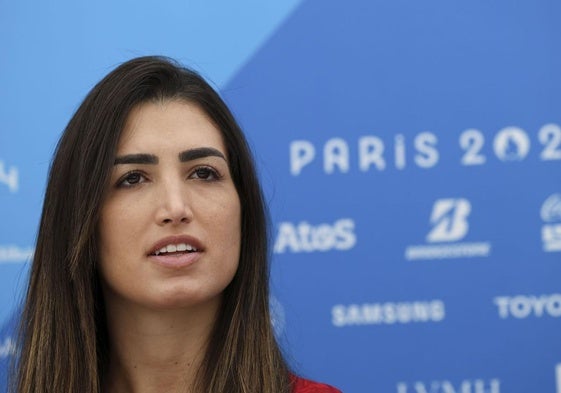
column 502, row 303
column 420, row 387
column 438, row 310
column 286, row 238
column 520, row 306
column 372, row 313
column 401, row 387
column 304, row 231
column 323, row 238
column 425, row 143
column 389, row 313
column 11, row 178
column 403, row 311
column 301, row 154
column 338, row 315
column 336, row 153
column 538, row 305
column 370, row 151
column 354, row 316
column 447, row 387
column 344, row 231
column 399, row 149
column 494, row 386
column 420, row 311
column 553, row 305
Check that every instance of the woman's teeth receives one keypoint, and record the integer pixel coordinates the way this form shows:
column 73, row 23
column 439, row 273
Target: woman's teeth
column 175, row 248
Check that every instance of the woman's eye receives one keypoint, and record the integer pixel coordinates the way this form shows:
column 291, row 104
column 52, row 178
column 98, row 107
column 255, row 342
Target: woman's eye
column 131, row 179
column 205, row 173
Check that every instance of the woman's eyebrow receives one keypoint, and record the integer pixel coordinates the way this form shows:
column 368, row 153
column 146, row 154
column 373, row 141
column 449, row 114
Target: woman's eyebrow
column 184, row 156
column 200, row 152
column 136, row 159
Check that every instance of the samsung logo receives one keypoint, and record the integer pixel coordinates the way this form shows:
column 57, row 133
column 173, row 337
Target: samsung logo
column 388, row 313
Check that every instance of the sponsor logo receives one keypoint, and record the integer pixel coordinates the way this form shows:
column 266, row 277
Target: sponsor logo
column 388, row 313
column 14, row 254
column 511, row 144
column 7, row 348
column 9, row 177
column 551, row 230
column 445, row 386
column 449, row 220
column 371, row 152
column 558, row 377
column 526, row 306
column 304, row 237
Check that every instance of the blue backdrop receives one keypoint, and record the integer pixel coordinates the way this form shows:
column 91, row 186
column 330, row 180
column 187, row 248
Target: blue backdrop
column 410, row 154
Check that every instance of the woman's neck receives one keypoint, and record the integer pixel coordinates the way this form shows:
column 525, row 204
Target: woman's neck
column 156, row 350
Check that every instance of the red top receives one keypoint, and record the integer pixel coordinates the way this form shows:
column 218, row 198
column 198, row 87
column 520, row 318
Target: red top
column 305, row 386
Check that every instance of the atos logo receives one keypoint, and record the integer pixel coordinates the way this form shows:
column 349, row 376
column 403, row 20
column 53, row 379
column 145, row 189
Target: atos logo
column 449, row 220
column 551, row 230
column 304, row 237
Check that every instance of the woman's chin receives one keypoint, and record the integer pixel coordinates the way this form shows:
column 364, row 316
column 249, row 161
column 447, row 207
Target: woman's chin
column 178, row 298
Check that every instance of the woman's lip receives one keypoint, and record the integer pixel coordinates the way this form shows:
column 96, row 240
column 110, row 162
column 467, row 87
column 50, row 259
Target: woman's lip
column 177, row 239
column 176, row 260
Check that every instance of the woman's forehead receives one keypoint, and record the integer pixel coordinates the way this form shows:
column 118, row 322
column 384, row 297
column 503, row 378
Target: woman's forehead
column 169, row 124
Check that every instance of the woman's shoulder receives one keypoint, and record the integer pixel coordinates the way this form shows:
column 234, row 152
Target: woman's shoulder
column 301, row 385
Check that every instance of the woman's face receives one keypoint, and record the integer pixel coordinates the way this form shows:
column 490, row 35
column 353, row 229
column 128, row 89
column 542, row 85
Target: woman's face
column 170, row 223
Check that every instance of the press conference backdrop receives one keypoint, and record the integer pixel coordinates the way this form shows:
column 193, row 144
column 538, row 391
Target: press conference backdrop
column 410, row 153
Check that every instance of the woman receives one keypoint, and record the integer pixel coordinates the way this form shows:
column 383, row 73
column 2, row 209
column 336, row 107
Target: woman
column 150, row 271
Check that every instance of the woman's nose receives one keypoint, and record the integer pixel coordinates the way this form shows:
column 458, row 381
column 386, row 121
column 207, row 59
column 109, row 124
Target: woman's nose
column 173, row 204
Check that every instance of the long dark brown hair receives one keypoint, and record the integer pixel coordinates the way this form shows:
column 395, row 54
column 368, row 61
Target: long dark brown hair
column 63, row 342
